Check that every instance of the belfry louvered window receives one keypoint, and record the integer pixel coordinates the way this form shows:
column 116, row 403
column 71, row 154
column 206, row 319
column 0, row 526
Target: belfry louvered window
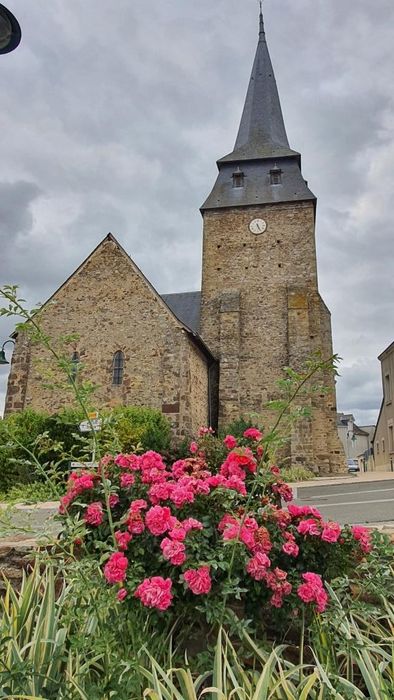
column 238, row 178
column 74, row 365
column 117, row 368
column 276, row 176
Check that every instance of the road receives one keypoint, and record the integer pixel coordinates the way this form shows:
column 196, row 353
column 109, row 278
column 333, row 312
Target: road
column 351, row 502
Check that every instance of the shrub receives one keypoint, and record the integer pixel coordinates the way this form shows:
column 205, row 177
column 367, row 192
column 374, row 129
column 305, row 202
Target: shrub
column 294, row 474
column 55, row 440
column 190, row 538
column 31, row 493
column 17, row 434
column 133, row 425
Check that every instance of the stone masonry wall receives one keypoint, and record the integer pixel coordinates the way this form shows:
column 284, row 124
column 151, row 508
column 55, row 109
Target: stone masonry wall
column 250, row 323
column 198, row 394
column 110, row 306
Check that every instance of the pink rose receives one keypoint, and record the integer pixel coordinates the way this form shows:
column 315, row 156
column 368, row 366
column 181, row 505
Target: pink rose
column 253, row 434
column 158, row 520
column 152, row 461
column 136, row 506
column 178, row 531
column 230, row 442
column 122, row 539
column 331, row 532
column 203, row 430
column 283, row 490
column 155, row 592
column 257, row 566
column 276, row 600
column 127, row 480
column 309, row 527
column 312, row 590
column 198, row 580
column 173, row 551
column 302, row 511
column 115, row 568
column 291, row 548
column 122, row 593
column 180, row 495
column 363, row 536
column 192, row 524
column 160, row 492
column 131, row 462
column 113, row 500
column 94, row 514
column 193, row 447
column 234, row 483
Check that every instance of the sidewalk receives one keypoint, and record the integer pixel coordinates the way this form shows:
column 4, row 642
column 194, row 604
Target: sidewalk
column 363, row 478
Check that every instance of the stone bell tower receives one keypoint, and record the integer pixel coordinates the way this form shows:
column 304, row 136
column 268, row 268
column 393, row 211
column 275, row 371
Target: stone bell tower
column 261, row 309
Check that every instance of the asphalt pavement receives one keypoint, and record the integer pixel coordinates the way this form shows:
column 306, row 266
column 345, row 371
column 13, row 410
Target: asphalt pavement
column 352, row 501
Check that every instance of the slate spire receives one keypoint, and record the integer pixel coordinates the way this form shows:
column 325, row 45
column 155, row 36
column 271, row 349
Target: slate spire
column 262, row 132
column 270, row 169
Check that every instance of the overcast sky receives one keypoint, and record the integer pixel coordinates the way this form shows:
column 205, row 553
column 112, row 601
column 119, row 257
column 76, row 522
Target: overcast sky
column 112, row 116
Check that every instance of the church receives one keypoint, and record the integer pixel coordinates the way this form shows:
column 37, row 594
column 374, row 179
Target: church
column 211, row 356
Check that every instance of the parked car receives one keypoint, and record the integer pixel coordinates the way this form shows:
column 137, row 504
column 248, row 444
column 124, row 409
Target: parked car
column 352, row 466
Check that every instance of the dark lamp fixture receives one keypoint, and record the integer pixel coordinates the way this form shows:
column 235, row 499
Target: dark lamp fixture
column 3, row 359
column 10, row 33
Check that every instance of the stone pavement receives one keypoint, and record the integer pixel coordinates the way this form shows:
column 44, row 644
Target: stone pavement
column 22, row 529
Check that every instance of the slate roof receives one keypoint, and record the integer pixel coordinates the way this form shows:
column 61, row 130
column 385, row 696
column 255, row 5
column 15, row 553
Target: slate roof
column 186, row 307
column 261, row 145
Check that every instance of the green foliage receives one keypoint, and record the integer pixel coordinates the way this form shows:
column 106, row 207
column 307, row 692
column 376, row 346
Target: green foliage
column 37, row 492
column 34, row 658
column 36, row 447
column 238, row 427
column 294, row 474
column 18, row 433
column 273, row 674
column 137, row 425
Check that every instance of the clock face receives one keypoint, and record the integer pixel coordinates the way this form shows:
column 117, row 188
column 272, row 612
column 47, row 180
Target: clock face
column 257, row 226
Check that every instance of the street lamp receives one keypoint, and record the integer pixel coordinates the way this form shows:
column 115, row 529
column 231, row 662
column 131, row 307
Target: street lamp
column 10, row 31
column 3, row 359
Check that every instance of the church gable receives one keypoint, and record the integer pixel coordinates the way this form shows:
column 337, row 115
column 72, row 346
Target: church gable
column 105, row 270
column 118, row 317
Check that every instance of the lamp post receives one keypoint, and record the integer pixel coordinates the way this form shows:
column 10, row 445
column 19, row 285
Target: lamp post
column 10, row 31
column 3, row 359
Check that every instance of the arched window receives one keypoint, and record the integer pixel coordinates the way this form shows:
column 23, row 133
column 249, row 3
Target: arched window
column 74, row 365
column 117, row 368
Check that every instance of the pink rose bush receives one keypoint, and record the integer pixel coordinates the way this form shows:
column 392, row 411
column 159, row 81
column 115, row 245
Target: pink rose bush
column 184, row 532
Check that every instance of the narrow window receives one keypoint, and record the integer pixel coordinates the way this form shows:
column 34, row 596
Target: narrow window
column 117, row 368
column 377, row 448
column 74, row 365
column 387, row 388
column 383, row 446
column 238, row 178
column 276, row 175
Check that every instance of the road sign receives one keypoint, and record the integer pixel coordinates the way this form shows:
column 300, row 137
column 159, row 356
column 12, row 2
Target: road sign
column 87, row 426
column 83, row 465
